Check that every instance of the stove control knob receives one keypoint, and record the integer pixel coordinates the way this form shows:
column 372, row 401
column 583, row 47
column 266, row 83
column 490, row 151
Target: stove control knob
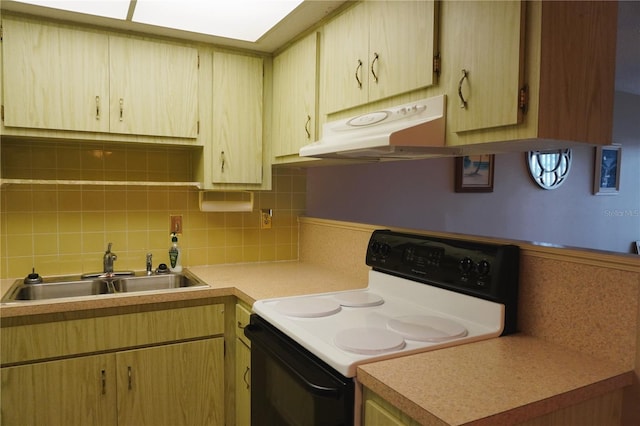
column 375, row 247
column 466, row 265
column 484, row 267
column 384, row 249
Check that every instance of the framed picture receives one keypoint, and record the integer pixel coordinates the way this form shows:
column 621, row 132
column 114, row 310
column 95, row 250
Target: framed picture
column 607, row 170
column 474, row 173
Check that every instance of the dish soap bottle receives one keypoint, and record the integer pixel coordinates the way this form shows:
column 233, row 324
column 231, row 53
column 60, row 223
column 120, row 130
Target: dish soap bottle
column 175, row 254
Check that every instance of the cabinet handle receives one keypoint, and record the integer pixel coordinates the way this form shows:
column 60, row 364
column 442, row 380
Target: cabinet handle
column 306, row 127
column 129, row 377
column 222, row 161
column 103, row 375
column 358, row 71
column 97, row 107
column 240, row 326
column 121, row 109
column 244, row 377
column 463, row 102
column 373, row 71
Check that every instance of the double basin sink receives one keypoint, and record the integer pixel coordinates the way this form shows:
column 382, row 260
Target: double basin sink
column 98, row 284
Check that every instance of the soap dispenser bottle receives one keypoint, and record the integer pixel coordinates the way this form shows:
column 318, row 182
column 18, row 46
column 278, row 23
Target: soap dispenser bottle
column 175, row 254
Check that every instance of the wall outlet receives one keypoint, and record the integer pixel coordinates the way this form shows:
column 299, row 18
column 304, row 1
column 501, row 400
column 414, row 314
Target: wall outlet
column 175, row 224
column 266, row 215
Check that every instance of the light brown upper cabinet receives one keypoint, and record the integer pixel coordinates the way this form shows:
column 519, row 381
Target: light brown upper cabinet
column 295, row 79
column 236, row 142
column 62, row 78
column 376, row 50
column 55, row 77
column 154, row 88
column 486, row 54
column 539, row 74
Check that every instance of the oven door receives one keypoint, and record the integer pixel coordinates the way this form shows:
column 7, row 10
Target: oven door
column 291, row 386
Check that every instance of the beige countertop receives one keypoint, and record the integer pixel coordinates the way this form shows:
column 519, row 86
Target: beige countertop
column 505, row 380
column 499, row 381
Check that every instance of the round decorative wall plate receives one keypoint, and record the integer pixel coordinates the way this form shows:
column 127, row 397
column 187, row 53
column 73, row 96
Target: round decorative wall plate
column 549, row 169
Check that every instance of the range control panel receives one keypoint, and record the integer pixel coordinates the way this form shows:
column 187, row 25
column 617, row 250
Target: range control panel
column 488, row 271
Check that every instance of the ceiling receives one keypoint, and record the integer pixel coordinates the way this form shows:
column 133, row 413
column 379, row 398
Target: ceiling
column 312, row 11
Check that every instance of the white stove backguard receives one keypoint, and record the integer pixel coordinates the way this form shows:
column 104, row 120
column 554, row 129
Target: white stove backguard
column 483, row 319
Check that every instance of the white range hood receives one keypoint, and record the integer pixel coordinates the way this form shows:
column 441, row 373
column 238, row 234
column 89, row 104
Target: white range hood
column 409, row 131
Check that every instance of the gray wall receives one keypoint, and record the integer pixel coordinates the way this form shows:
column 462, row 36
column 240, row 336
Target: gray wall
column 419, row 194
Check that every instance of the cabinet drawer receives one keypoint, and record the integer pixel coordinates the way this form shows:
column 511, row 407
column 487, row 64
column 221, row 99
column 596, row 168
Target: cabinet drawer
column 242, row 320
column 57, row 339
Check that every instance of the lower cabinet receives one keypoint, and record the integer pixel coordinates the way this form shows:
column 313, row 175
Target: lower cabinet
column 77, row 391
column 176, row 384
column 378, row 412
column 179, row 384
column 243, row 384
column 243, row 367
column 131, row 366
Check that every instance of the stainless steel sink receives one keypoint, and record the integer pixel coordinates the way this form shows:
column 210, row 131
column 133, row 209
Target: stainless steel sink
column 74, row 287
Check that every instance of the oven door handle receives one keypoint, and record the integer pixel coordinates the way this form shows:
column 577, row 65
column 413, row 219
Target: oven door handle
column 284, row 353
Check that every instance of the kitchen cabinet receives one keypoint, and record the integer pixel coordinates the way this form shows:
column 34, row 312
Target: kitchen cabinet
column 76, row 391
column 55, row 77
column 378, row 412
column 295, row 77
column 163, row 385
column 153, row 88
column 550, row 83
column 63, row 78
column 376, row 50
column 490, row 78
column 235, row 149
column 243, row 368
column 243, row 384
column 178, row 384
column 157, row 367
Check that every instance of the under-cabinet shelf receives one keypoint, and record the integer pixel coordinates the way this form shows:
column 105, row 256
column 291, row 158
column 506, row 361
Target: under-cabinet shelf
column 4, row 182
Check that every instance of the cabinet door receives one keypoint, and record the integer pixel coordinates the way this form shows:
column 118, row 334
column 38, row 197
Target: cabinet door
column 78, row 391
column 55, row 77
column 179, row 384
column 294, row 97
column 401, row 47
column 237, row 119
column 487, row 41
column 375, row 415
column 154, row 88
column 345, row 60
column 243, row 384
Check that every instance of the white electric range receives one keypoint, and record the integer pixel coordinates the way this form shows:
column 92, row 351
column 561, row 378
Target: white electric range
column 423, row 294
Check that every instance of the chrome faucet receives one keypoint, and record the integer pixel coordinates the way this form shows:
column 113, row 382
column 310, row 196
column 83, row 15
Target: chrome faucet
column 149, row 264
column 107, row 260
